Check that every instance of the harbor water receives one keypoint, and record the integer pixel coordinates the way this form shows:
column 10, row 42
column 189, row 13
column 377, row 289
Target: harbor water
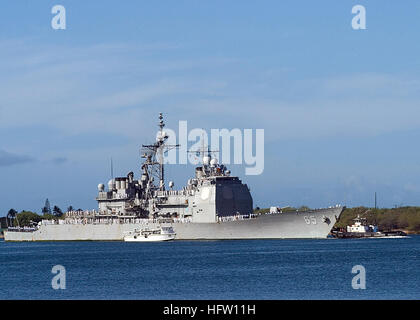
column 241, row 269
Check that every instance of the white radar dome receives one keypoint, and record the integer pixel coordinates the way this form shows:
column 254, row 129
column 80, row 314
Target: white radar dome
column 213, row 162
column 101, row 187
column 206, row 160
column 111, row 184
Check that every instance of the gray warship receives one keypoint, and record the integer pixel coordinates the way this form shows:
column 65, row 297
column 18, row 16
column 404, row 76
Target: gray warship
column 214, row 205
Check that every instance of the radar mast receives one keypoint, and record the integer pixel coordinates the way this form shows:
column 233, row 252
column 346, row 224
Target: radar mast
column 153, row 153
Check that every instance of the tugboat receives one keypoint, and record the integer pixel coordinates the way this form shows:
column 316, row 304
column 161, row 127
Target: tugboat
column 360, row 229
column 148, row 235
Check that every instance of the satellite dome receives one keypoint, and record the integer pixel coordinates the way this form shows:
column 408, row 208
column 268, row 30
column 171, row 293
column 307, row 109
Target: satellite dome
column 101, row 187
column 213, row 162
column 206, row 160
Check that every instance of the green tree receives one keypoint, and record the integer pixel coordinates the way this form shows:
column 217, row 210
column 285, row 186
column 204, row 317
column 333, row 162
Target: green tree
column 304, row 208
column 12, row 214
column 47, row 208
column 27, row 218
column 57, row 211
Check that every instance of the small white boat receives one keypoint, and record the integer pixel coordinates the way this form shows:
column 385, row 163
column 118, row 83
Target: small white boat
column 147, row 235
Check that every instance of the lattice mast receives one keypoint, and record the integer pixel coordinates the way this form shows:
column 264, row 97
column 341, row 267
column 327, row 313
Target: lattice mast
column 155, row 167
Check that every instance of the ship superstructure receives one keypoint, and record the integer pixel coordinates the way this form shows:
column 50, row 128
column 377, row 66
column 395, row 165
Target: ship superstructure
column 210, row 194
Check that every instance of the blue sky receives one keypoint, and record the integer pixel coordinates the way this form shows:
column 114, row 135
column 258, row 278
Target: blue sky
column 340, row 107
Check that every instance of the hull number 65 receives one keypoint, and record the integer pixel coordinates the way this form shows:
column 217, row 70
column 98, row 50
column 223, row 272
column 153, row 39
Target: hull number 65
column 310, row 219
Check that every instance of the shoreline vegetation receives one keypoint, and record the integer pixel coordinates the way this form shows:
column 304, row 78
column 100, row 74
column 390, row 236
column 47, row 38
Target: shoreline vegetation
column 405, row 219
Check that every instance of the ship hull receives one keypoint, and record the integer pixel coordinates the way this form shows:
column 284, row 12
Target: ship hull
column 287, row 225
